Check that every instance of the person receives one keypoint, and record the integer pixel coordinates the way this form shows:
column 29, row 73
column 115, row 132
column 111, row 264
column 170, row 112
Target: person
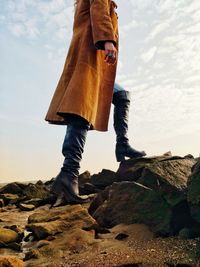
column 84, row 93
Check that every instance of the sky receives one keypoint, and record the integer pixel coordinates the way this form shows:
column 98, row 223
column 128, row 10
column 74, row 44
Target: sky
column 159, row 62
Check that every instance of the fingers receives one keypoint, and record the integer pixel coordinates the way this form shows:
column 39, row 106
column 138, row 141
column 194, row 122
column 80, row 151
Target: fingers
column 110, row 61
column 110, row 53
column 110, row 56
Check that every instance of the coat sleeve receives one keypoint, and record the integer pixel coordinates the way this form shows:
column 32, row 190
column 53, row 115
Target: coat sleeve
column 102, row 28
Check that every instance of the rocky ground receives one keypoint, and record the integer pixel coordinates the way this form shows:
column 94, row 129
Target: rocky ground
column 145, row 214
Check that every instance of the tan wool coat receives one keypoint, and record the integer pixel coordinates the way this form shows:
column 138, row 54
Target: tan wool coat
column 86, row 85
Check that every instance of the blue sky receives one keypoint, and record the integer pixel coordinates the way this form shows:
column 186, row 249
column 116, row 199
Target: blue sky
column 159, row 62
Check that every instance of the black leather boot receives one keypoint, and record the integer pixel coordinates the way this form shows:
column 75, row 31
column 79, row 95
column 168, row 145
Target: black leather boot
column 121, row 101
column 66, row 182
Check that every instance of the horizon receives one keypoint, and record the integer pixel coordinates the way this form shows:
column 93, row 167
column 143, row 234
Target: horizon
column 159, row 62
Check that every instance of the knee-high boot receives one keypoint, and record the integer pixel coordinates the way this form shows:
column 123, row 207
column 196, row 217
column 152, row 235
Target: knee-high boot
column 66, row 182
column 121, row 101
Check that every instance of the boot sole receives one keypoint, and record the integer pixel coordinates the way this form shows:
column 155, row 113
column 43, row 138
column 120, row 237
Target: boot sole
column 70, row 198
column 137, row 156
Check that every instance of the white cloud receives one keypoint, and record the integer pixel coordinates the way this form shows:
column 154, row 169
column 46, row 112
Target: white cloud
column 192, row 79
column 2, row 18
column 39, row 18
column 159, row 28
column 129, row 26
column 166, row 6
column 194, row 28
column 141, row 4
column 193, row 7
column 149, row 55
column 17, row 29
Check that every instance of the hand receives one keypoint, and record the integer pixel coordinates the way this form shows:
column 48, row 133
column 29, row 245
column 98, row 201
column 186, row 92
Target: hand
column 110, row 50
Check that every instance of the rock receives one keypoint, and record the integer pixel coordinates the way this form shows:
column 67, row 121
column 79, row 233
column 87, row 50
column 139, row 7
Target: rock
column 189, row 233
column 76, row 234
column 32, row 254
column 8, row 236
column 49, row 183
column 11, row 261
column 39, row 182
column 44, row 229
column 3, row 209
column 194, row 185
column 26, row 207
column 48, row 199
column 35, row 201
column 189, row 156
column 13, row 188
column 10, row 198
column 43, row 216
column 163, row 179
column 17, row 228
column 132, row 169
column 128, row 203
column 168, row 154
column 195, row 212
column 121, row 236
column 20, row 231
column 14, row 246
column 181, row 217
column 36, row 191
column 138, row 232
column 193, row 194
column 1, row 203
column 169, row 178
column 103, row 179
column 88, row 189
column 43, row 224
column 3, row 245
column 50, row 238
column 43, row 243
column 84, row 178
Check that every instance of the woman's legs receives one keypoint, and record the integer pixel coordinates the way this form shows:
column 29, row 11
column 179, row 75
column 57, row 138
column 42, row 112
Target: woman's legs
column 121, row 101
column 66, row 182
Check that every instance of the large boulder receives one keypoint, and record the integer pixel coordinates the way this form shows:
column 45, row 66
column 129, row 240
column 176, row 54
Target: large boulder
column 132, row 169
column 130, row 202
column 169, row 178
column 194, row 191
column 66, row 229
column 43, row 224
column 158, row 198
